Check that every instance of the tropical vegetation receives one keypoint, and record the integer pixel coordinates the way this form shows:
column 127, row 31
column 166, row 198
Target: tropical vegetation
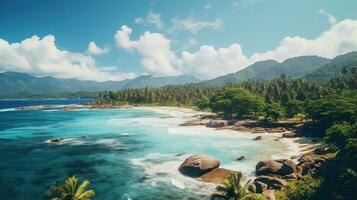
column 234, row 189
column 72, row 189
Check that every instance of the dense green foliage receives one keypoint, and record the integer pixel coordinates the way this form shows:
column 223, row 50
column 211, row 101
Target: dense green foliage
column 303, row 189
column 237, row 102
column 70, row 190
column 185, row 95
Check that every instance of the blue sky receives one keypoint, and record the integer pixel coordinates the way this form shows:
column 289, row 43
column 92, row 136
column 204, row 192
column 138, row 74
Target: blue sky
column 203, row 38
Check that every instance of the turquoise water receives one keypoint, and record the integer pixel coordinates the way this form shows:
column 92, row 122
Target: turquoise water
column 124, row 153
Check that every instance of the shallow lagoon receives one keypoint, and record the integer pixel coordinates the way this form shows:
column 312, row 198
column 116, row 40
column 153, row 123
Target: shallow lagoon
column 125, row 153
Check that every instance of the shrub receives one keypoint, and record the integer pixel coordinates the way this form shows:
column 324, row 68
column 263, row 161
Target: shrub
column 304, row 189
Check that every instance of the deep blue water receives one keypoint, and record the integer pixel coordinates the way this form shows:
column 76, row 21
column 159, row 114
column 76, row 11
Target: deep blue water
column 124, row 153
column 4, row 103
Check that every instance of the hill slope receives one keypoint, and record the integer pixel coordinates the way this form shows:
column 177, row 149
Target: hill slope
column 270, row 69
column 334, row 67
column 13, row 84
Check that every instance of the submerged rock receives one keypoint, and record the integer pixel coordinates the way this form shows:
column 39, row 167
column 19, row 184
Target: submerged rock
column 258, row 138
column 197, row 165
column 241, row 158
column 217, row 175
column 56, row 140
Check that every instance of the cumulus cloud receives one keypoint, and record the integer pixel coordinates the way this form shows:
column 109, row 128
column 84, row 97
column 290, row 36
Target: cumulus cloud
column 157, row 57
column 151, row 18
column 41, row 57
column 193, row 25
column 331, row 19
column 209, row 62
column 339, row 39
column 95, row 50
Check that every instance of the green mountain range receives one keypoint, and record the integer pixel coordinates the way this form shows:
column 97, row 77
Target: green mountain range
column 13, row 84
column 270, row 69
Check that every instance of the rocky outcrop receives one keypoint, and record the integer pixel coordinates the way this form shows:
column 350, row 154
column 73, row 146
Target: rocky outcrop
column 276, row 130
column 217, row 175
column 217, row 123
column 258, row 130
column 197, row 165
column 280, row 167
column 195, row 122
column 321, row 149
column 260, row 186
column 312, row 163
column 243, row 123
column 271, row 182
column 289, row 135
column 241, row 129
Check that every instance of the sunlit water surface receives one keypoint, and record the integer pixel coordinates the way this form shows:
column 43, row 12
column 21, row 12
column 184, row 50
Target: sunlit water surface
column 124, row 153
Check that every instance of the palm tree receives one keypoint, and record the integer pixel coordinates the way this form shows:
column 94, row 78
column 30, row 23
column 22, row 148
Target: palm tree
column 70, row 190
column 233, row 190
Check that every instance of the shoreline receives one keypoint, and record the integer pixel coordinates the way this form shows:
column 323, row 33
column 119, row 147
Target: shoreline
column 297, row 146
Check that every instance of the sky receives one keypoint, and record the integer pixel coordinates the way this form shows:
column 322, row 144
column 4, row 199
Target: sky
column 121, row 39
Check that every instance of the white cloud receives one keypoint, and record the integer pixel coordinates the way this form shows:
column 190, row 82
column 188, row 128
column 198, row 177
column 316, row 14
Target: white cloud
column 95, row 50
column 194, row 25
column 151, row 18
column 209, row 62
column 339, row 39
column 139, row 20
column 157, row 57
column 331, row 19
column 41, row 57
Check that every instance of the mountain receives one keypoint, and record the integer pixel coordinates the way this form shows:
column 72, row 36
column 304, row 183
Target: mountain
column 13, row 84
column 270, row 69
column 334, row 67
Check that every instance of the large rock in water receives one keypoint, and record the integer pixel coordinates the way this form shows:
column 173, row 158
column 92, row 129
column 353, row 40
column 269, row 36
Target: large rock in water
column 217, row 175
column 280, row 167
column 197, row 165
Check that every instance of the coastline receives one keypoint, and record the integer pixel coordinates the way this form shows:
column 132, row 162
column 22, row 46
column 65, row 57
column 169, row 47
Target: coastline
column 297, row 145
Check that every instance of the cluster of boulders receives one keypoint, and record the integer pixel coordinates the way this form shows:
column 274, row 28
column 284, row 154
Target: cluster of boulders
column 205, row 168
column 272, row 174
column 213, row 121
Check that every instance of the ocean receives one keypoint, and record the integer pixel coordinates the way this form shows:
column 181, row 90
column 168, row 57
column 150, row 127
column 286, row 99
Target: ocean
column 128, row 153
